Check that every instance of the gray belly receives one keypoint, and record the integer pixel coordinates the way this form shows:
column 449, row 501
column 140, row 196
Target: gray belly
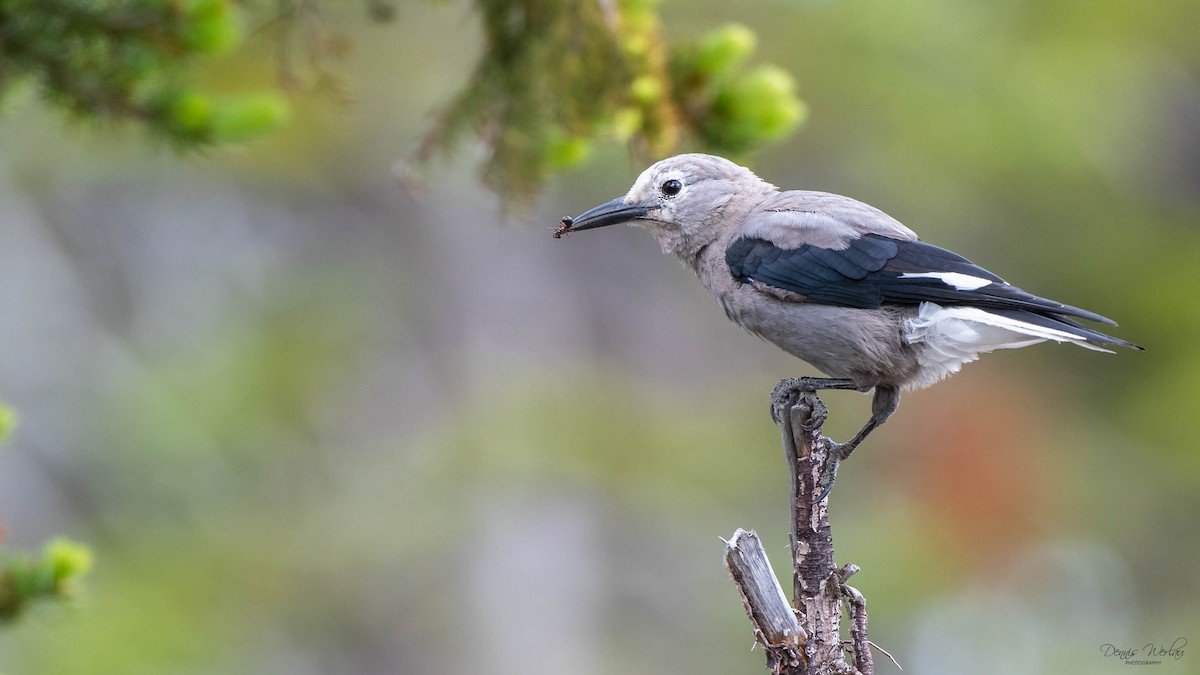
column 863, row 345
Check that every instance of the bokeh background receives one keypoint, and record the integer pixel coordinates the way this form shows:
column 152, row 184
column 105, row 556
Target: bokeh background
column 313, row 422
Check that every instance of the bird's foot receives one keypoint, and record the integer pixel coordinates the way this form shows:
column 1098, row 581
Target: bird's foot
column 795, row 394
column 787, row 393
column 795, row 403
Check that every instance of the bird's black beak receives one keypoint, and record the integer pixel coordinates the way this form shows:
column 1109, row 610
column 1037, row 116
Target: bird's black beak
column 610, row 213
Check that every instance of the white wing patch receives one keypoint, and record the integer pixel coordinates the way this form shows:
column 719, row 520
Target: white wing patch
column 963, row 282
column 949, row 337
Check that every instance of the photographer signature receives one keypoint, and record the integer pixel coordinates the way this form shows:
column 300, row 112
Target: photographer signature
column 1149, row 654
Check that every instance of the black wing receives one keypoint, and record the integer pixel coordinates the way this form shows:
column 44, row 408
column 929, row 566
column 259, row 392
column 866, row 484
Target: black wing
column 875, row 270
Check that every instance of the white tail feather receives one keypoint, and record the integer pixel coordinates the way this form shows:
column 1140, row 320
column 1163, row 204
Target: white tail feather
column 952, row 336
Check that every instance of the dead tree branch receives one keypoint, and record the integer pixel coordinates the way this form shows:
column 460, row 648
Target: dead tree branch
column 811, row 643
column 775, row 624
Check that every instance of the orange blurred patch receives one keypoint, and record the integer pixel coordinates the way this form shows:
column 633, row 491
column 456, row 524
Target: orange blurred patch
column 972, row 450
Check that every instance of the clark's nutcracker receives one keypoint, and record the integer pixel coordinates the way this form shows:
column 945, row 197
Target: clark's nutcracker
column 836, row 282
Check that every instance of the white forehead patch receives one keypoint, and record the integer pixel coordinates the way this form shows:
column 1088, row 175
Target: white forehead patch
column 962, row 282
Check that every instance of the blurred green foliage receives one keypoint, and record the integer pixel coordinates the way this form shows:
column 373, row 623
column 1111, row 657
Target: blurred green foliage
column 733, row 111
column 556, row 76
column 54, row 575
column 8, row 421
column 112, row 61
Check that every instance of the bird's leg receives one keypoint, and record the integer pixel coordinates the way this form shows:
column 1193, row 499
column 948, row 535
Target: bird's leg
column 823, row 383
column 789, row 390
column 883, row 404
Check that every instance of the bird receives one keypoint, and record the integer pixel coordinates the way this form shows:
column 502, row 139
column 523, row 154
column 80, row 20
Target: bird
column 836, row 282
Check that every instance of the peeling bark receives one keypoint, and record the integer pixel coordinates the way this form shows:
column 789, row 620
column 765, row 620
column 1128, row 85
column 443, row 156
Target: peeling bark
column 805, row 638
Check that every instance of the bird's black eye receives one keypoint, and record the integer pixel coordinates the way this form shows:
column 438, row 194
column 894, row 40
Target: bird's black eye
column 671, row 187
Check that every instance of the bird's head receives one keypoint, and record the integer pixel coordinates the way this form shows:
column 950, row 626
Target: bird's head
column 685, row 200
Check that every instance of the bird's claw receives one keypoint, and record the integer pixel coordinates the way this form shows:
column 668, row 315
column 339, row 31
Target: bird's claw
column 797, row 396
column 834, row 453
column 795, row 393
column 787, row 393
column 817, row 413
